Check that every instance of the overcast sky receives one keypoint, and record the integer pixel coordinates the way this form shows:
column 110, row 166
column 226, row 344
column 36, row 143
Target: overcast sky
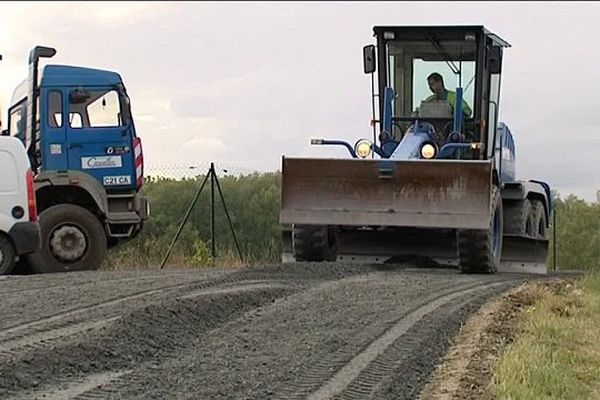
column 244, row 83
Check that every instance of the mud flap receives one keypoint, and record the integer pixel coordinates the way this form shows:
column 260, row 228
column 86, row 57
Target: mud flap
column 396, row 193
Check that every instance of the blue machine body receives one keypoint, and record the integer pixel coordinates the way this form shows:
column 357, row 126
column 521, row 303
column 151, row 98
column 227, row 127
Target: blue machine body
column 506, row 154
column 420, row 132
column 103, row 150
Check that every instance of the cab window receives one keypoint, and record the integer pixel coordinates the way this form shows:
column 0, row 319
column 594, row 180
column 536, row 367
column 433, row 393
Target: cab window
column 94, row 108
column 449, row 63
column 55, row 119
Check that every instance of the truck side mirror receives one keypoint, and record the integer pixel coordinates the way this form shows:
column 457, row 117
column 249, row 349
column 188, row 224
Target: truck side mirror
column 78, row 96
column 495, row 59
column 369, row 59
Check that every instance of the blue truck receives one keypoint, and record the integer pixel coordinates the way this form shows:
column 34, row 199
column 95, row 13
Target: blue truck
column 79, row 133
column 438, row 179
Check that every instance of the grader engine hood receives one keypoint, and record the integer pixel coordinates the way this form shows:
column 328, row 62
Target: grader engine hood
column 407, row 193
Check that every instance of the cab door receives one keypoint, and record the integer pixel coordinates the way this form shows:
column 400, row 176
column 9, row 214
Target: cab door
column 99, row 138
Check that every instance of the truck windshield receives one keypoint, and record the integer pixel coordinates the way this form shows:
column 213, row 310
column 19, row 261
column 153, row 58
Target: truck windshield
column 411, row 63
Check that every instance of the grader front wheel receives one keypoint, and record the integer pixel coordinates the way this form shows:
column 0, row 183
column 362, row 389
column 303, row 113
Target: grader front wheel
column 480, row 251
column 314, row 242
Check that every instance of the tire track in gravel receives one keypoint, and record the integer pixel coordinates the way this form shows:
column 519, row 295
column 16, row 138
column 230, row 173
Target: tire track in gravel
column 310, row 378
column 58, row 320
column 29, row 341
column 62, row 319
column 309, row 384
column 120, row 348
column 233, row 278
column 365, row 375
column 75, row 284
column 67, row 292
column 47, row 337
column 45, row 331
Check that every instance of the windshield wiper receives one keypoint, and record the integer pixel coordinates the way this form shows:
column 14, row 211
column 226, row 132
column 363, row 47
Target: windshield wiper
column 447, row 57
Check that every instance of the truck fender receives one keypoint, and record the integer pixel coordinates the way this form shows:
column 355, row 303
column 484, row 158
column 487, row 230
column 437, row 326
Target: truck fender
column 78, row 179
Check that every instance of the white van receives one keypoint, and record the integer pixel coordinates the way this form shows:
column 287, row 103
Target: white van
column 19, row 229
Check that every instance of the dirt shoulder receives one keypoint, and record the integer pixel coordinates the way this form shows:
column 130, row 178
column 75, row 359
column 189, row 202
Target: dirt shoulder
column 466, row 371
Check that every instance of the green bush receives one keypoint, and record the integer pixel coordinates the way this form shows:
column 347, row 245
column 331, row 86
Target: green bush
column 253, row 205
column 577, row 234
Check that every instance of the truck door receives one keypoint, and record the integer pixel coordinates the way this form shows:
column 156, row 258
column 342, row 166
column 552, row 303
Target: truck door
column 53, row 148
column 100, row 136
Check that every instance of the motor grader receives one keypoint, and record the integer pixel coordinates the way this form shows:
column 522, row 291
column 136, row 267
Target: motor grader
column 438, row 179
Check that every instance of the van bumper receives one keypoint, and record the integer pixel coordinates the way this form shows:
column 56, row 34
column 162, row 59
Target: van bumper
column 26, row 237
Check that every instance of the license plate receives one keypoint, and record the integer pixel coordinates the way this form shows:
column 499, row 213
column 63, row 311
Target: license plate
column 116, row 180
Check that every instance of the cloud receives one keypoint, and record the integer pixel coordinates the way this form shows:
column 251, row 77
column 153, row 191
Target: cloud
column 249, row 82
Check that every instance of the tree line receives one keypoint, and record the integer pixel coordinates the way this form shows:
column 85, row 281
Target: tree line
column 253, row 202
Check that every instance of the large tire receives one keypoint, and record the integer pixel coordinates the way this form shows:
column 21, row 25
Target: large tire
column 480, row 251
column 540, row 221
column 73, row 239
column 519, row 218
column 314, row 242
column 7, row 256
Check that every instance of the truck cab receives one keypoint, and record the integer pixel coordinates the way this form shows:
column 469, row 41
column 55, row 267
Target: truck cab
column 77, row 126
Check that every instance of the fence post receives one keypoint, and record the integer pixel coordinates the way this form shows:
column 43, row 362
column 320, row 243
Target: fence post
column 554, row 239
column 213, row 179
column 183, row 221
column 212, row 211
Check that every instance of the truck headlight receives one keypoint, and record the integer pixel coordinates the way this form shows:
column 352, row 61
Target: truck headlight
column 363, row 148
column 428, row 151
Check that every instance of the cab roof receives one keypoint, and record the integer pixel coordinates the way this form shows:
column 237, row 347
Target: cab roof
column 65, row 75
column 449, row 32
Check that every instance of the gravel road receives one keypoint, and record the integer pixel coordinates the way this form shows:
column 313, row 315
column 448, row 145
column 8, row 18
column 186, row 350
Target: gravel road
column 292, row 331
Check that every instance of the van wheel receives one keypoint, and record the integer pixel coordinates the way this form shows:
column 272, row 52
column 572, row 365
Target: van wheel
column 7, row 256
column 73, row 239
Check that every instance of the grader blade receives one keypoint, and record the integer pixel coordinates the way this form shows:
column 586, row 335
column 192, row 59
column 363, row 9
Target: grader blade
column 408, row 193
column 524, row 255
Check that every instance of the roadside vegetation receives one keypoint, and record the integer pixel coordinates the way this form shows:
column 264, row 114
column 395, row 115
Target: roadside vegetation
column 557, row 352
column 253, row 203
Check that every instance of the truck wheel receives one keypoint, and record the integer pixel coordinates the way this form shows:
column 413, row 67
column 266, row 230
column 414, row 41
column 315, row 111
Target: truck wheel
column 480, row 251
column 7, row 256
column 314, row 242
column 73, row 239
column 519, row 218
column 540, row 223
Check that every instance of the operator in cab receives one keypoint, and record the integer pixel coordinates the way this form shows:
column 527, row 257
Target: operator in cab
column 440, row 93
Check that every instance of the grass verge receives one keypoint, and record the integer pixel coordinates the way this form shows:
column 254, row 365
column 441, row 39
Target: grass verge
column 557, row 351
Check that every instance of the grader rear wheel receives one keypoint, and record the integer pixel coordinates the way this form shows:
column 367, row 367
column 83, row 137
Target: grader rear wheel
column 540, row 222
column 519, row 218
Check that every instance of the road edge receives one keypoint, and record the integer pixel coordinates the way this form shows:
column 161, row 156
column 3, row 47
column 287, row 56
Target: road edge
column 465, row 372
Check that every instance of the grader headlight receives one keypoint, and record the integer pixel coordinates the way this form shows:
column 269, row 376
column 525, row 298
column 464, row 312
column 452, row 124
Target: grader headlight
column 363, row 148
column 428, row 151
